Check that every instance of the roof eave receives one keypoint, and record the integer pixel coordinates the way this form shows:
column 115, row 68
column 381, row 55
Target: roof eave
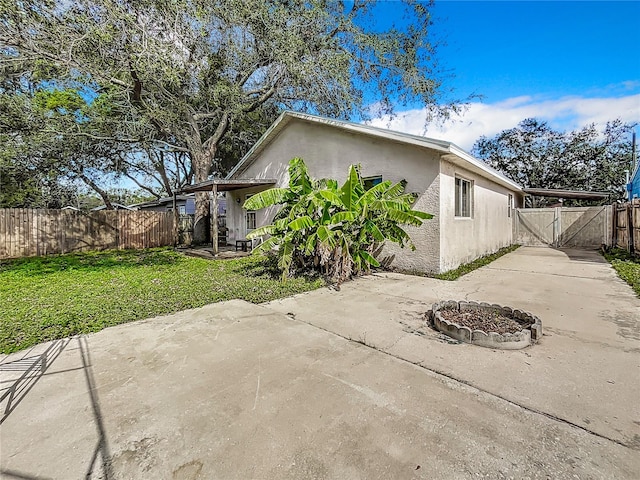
column 482, row 168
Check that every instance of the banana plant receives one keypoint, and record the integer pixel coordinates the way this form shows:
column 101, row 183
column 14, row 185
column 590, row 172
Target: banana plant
column 333, row 228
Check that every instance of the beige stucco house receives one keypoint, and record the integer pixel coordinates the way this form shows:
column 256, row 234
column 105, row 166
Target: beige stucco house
column 472, row 204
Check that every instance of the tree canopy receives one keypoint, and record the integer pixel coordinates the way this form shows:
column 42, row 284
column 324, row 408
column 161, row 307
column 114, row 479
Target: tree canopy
column 536, row 156
column 181, row 76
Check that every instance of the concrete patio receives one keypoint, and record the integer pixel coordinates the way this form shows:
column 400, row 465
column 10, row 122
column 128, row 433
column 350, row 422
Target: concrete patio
column 343, row 384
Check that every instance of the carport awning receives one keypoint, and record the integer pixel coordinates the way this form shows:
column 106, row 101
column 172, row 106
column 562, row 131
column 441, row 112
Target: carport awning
column 223, row 185
column 559, row 193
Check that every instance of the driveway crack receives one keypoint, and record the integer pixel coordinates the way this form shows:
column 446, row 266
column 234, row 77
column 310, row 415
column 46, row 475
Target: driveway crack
column 475, row 387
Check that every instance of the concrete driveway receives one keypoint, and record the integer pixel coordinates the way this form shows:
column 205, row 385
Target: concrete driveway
column 342, row 384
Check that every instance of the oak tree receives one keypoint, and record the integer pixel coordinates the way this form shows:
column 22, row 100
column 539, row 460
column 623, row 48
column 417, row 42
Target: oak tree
column 536, row 156
column 181, row 73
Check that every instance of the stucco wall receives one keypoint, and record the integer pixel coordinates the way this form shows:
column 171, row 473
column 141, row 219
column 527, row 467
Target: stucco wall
column 489, row 228
column 328, row 152
column 237, row 216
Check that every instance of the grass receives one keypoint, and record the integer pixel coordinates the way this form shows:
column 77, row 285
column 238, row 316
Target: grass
column 47, row 298
column 471, row 266
column 627, row 267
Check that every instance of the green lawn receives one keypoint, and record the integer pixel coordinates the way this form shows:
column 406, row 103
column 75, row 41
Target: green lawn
column 46, row 298
column 628, row 268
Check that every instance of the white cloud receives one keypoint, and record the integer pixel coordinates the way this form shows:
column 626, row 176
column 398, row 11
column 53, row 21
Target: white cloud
column 567, row 113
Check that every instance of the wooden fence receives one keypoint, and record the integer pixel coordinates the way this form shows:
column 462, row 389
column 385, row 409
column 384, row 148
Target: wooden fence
column 627, row 227
column 27, row 232
column 568, row 227
column 185, row 230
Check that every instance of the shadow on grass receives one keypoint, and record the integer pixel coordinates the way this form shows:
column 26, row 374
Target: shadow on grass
column 266, row 266
column 93, row 261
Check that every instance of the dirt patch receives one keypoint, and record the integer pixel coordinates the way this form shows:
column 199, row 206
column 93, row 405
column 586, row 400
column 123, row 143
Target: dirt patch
column 485, row 320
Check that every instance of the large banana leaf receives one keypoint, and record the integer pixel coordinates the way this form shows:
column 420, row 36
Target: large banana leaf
column 374, row 193
column 262, row 231
column 285, row 255
column 352, row 189
column 326, row 235
column 367, row 257
column 266, row 246
column 331, row 197
column 267, row 198
column 301, row 223
column 342, row 217
column 299, row 176
column 403, row 218
column 397, row 189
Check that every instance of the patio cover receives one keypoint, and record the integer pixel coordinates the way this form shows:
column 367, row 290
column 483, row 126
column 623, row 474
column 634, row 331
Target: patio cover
column 560, row 193
column 224, row 185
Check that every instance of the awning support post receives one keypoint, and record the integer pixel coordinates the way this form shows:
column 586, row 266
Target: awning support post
column 214, row 219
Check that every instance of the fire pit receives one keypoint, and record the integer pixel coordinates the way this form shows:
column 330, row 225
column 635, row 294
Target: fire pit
column 487, row 325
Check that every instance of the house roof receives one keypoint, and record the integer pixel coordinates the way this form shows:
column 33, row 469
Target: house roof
column 116, row 206
column 160, row 201
column 225, row 185
column 448, row 150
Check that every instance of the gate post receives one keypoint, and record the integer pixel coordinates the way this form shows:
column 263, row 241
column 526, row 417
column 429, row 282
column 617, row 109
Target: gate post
column 614, row 230
column 214, row 219
column 557, row 226
column 176, row 219
column 630, row 227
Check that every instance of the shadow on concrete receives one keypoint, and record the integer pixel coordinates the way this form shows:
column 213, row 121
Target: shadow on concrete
column 102, row 445
column 21, row 475
column 34, row 368
column 588, row 255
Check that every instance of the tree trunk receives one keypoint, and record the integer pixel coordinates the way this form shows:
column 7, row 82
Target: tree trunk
column 202, row 155
column 201, row 165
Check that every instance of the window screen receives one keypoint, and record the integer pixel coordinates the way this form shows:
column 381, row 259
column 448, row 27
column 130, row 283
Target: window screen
column 463, row 197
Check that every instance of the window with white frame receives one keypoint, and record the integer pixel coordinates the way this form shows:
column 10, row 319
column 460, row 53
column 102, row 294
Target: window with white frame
column 251, row 221
column 251, row 216
column 464, row 200
column 510, row 206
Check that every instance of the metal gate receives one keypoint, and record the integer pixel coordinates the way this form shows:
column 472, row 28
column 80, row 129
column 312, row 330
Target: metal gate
column 563, row 226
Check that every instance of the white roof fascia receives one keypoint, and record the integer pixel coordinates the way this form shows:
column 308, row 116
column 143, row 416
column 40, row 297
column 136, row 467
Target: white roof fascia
column 486, row 169
column 258, row 146
column 400, row 137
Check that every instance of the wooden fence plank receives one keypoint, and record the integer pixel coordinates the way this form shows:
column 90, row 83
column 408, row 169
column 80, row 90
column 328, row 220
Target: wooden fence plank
column 3, row 236
column 13, row 233
column 627, row 232
column 30, row 232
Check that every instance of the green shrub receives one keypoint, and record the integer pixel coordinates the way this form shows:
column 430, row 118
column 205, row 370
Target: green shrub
column 333, row 229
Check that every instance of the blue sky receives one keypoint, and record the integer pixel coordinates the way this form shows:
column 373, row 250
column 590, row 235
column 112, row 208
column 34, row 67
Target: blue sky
column 570, row 63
